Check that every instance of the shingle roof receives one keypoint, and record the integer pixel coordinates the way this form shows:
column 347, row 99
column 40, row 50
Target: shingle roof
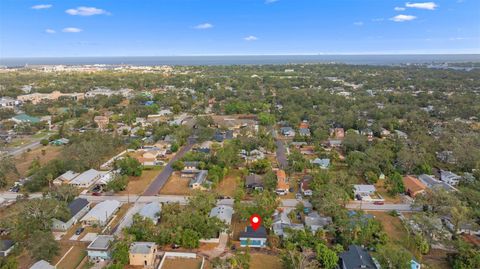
column 76, row 205
column 357, row 257
column 6, row 244
column 250, row 233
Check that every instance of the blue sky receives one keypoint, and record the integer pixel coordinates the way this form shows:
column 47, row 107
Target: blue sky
column 236, row 27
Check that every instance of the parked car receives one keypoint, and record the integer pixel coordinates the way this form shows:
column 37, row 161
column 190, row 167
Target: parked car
column 96, row 194
column 79, row 231
column 378, row 203
column 15, row 188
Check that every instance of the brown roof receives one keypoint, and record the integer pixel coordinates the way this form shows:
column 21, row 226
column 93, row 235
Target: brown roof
column 413, row 185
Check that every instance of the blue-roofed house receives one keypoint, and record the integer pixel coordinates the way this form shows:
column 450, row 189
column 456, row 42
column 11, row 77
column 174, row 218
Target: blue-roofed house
column 415, row 265
column 24, row 118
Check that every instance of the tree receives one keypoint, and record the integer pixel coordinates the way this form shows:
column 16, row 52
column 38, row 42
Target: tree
column 64, row 193
column 129, row 166
column 120, row 252
column 118, row 183
column 393, row 256
column 466, row 256
column 395, row 184
column 142, row 229
column 42, row 245
column 327, row 258
column 178, row 165
column 294, row 259
column 44, row 142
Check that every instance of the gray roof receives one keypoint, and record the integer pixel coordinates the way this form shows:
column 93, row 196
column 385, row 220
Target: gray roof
column 433, row 183
column 103, row 210
column 42, row 265
column 76, row 205
column 86, row 177
column 250, row 233
column 102, row 242
column 356, row 257
column 253, row 179
column 315, row 221
column 150, row 210
column 199, row 178
column 223, row 213
column 141, row 247
column 6, row 244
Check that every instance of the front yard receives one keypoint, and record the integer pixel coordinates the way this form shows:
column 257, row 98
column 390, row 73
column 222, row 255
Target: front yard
column 176, row 185
column 137, row 185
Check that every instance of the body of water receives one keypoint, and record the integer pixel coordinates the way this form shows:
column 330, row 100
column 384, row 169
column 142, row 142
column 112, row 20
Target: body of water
column 246, row 60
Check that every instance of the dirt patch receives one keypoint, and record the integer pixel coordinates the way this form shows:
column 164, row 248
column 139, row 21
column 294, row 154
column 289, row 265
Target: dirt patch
column 264, row 261
column 137, row 185
column 73, row 259
column 175, row 263
column 230, row 183
column 436, row 259
column 238, row 226
column 381, row 189
column 23, row 161
column 176, row 185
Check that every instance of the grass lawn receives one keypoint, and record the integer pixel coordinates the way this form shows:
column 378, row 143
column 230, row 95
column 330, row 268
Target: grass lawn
column 137, row 185
column 73, row 259
column 384, row 193
column 393, row 226
column 264, row 261
column 238, row 226
column 230, row 183
column 176, row 185
column 175, row 263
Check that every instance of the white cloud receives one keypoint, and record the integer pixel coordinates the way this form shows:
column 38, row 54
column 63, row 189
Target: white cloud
column 270, row 1
column 86, row 11
column 399, row 8
column 204, row 26
column 42, row 6
column 50, row 31
column 250, row 38
column 72, row 30
column 402, row 18
column 358, row 23
column 424, row 5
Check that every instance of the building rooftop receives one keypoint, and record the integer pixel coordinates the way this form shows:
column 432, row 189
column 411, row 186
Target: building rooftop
column 42, row 265
column 357, row 257
column 151, row 211
column 223, row 213
column 6, row 244
column 102, row 211
column 261, row 232
column 102, row 242
column 141, row 247
column 86, row 177
column 76, row 205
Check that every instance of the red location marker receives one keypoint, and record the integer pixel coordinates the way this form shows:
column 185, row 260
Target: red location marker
column 255, row 221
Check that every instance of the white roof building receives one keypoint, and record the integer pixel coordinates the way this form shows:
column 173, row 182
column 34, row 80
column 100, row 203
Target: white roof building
column 66, row 177
column 222, row 212
column 151, row 211
column 101, row 213
column 363, row 190
column 86, row 179
column 42, row 265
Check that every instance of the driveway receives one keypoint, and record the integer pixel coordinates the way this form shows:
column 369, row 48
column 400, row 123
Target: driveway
column 385, row 207
column 167, row 171
column 281, row 154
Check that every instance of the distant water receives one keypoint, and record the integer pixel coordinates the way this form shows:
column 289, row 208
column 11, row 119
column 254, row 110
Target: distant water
column 247, row 60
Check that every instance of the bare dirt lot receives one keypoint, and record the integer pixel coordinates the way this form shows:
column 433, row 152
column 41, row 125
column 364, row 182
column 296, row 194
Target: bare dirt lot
column 176, row 263
column 137, row 185
column 176, row 185
column 23, row 161
column 264, row 261
column 230, row 183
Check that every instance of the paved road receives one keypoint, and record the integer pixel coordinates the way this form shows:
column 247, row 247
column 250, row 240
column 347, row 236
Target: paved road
column 17, row 151
column 385, row 207
column 281, row 154
column 167, row 171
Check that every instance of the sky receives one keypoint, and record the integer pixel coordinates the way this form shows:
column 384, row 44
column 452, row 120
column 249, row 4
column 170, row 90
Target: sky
column 236, row 27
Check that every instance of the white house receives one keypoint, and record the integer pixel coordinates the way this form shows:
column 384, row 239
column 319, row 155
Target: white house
column 151, row 211
column 361, row 191
column 42, row 264
column 65, row 178
column 87, row 178
column 101, row 213
column 99, row 249
column 222, row 212
column 78, row 208
column 449, row 177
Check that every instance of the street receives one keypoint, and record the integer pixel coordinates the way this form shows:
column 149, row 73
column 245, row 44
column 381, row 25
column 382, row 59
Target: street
column 281, row 154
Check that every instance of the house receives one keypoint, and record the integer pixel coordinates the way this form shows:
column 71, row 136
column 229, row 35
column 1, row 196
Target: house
column 199, row 180
column 413, row 186
column 24, row 118
column 60, row 142
column 433, row 183
column 86, row 179
column 65, row 178
column 36, row 97
column 253, row 155
column 415, row 265
column 9, row 102
column 287, row 131
column 143, row 253
column 254, row 182
column 205, row 147
column 322, row 163
column 78, row 208
column 282, row 183
column 338, row 133
column 334, row 143
column 469, row 227
column 446, row 156
column 304, row 132
column 42, row 264
column 316, row 222
column 101, row 121
column 449, row 177
column 307, row 150
column 281, row 222
column 99, row 249
column 363, row 191
column 222, row 212
column 305, row 185
column 253, row 238
column 357, row 257
column 401, row 134
column 190, row 169
column 6, row 246
column 151, row 211
column 101, row 213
